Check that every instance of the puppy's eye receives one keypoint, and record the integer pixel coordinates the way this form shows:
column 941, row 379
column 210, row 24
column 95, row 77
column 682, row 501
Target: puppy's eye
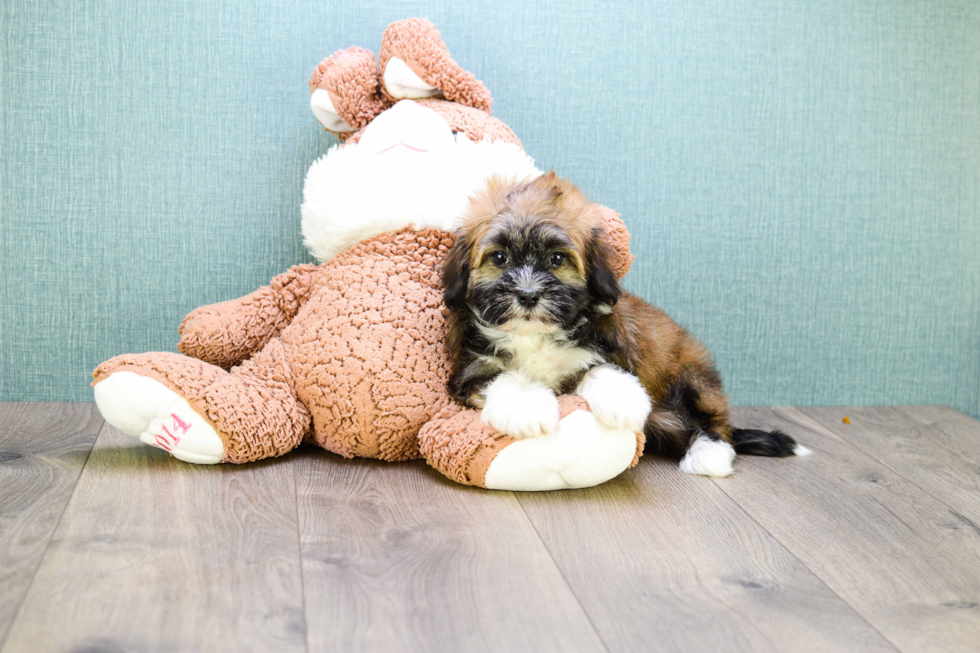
column 557, row 260
column 499, row 259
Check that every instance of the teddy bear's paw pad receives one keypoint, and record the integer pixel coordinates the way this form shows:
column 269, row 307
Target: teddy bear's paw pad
column 616, row 398
column 326, row 113
column 582, row 453
column 401, row 82
column 158, row 416
column 708, row 457
column 344, row 90
column 519, row 409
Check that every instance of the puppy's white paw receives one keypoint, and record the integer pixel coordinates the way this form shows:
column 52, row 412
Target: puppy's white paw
column 617, row 398
column 158, row 416
column 708, row 457
column 520, row 408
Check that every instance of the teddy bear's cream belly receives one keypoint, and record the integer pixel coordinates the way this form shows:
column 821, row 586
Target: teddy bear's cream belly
column 368, row 347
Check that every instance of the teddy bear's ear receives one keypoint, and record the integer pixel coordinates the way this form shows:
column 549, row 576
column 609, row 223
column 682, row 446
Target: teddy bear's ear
column 415, row 63
column 345, row 90
column 618, row 239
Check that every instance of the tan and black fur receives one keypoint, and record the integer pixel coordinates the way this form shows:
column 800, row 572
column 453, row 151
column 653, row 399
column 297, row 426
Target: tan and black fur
column 530, row 268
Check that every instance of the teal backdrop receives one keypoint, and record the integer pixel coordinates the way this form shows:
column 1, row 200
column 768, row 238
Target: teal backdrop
column 801, row 178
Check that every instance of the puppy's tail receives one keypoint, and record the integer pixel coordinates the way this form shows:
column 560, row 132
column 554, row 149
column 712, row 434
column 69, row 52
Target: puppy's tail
column 766, row 443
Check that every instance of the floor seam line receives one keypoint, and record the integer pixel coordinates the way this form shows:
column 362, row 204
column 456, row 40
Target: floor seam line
column 788, row 550
column 888, row 466
column 903, row 410
column 562, row 574
column 54, row 531
column 299, row 551
column 805, row 565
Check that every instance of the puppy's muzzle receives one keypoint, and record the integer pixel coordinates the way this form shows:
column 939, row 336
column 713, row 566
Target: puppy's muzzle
column 528, row 286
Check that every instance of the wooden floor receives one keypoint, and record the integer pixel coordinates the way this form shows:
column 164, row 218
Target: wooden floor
column 871, row 543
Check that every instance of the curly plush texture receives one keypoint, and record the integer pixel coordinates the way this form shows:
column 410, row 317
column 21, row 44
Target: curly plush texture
column 475, row 124
column 619, row 239
column 351, row 79
column 351, row 355
column 356, row 346
column 227, row 333
column 368, row 347
column 253, row 408
column 418, row 43
column 364, row 357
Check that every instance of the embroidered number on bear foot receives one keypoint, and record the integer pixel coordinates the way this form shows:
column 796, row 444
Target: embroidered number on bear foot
column 158, row 416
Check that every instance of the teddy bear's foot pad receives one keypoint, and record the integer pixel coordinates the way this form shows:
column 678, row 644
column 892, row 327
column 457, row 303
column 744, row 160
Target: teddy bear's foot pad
column 326, row 113
column 158, row 416
column 401, row 82
column 582, row 453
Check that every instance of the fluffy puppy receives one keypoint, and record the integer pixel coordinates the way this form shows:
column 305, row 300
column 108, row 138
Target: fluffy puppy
column 535, row 310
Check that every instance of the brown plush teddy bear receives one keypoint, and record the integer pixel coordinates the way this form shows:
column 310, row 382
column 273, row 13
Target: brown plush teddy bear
column 350, row 354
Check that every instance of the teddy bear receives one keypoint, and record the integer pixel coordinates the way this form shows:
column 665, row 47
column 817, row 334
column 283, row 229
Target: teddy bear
column 350, row 353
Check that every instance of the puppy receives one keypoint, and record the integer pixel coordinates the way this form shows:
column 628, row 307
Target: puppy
column 536, row 311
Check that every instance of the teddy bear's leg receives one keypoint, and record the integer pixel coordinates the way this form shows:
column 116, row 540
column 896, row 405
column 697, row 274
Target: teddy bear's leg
column 199, row 412
column 345, row 91
column 581, row 453
column 415, row 63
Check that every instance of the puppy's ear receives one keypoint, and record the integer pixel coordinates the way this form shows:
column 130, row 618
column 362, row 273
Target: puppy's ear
column 602, row 282
column 560, row 192
column 549, row 182
column 456, row 272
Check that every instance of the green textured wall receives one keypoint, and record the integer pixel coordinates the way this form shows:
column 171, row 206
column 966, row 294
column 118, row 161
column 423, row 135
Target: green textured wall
column 802, row 178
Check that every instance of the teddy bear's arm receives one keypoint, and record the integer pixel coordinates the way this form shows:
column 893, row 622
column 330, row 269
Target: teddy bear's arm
column 581, row 453
column 227, row 333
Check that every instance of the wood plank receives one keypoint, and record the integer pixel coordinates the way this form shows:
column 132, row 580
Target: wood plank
column 898, row 556
column 156, row 554
column 396, row 557
column 952, row 429
column 927, row 445
column 43, row 448
column 665, row 561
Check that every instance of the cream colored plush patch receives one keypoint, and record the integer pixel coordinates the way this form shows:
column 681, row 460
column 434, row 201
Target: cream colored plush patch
column 326, row 113
column 401, row 82
column 582, row 453
column 158, row 416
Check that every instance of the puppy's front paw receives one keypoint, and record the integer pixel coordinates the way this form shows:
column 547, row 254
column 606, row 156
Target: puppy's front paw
column 520, row 409
column 617, row 398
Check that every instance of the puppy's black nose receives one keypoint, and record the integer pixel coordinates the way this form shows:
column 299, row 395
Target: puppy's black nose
column 528, row 298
